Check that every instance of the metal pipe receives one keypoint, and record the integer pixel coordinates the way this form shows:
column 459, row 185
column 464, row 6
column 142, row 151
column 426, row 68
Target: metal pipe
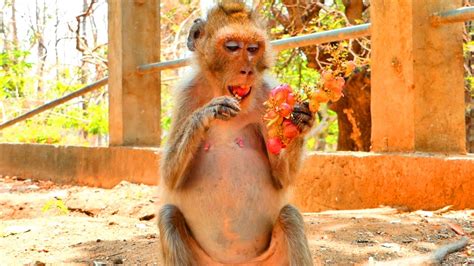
column 341, row 34
column 91, row 87
column 154, row 67
column 279, row 45
column 451, row 16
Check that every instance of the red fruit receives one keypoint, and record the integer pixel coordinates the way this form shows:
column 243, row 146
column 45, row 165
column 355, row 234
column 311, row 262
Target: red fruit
column 285, row 109
column 290, row 130
column 282, row 88
column 274, row 145
column 241, row 90
column 290, row 99
column 280, row 93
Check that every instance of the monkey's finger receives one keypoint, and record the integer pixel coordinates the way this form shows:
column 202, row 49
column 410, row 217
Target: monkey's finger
column 225, row 113
column 304, row 117
column 233, row 103
column 232, row 112
column 228, row 102
column 302, row 121
column 302, row 108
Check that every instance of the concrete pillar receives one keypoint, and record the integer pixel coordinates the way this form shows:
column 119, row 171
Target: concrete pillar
column 134, row 100
column 417, row 99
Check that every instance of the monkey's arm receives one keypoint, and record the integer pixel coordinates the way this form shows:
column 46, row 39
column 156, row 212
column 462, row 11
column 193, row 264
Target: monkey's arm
column 287, row 164
column 186, row 136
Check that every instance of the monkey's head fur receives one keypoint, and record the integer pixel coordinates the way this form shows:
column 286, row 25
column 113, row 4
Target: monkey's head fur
column 232, row 49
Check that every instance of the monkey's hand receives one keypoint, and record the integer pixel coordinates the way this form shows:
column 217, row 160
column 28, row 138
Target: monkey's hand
column 224, row 108
column 302, row 117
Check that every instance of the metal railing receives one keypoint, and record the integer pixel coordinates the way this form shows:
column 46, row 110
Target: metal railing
column 457, row 15
column 352, row 32
column 89, row 88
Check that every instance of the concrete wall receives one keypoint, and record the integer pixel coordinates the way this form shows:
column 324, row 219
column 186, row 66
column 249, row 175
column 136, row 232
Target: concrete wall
column 101, row 167
column 343, row 180
column 364, row 180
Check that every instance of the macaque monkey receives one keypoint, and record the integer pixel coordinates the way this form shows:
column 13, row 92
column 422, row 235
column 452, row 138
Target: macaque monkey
column 225, row 196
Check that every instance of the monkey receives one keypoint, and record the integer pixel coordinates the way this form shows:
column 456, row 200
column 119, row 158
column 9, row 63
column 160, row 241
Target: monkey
column 225, row 197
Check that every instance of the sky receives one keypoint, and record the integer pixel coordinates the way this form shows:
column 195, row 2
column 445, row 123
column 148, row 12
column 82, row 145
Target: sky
column 67, row 10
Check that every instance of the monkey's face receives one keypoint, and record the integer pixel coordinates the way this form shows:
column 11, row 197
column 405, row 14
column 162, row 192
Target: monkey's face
column 231, row 49
column 237, row 60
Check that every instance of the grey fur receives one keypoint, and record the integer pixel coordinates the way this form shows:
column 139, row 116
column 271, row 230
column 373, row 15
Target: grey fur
column 174, row 235
column 293, row 227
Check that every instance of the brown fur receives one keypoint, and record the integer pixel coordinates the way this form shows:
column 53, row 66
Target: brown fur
column 228, row 195
column 174, row 237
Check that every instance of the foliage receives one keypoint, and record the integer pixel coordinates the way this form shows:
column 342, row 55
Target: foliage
column 71, row 123
column 14, row 71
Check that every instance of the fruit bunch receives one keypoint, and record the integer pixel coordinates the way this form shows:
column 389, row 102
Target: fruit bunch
column 282, row 99
column 279, row 107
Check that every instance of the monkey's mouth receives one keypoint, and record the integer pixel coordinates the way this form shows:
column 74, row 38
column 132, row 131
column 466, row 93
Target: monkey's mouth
column 240, row 92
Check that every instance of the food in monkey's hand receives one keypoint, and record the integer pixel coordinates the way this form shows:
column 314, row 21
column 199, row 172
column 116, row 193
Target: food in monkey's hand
column 280, row 129
column 240, row 92
column 279, row 107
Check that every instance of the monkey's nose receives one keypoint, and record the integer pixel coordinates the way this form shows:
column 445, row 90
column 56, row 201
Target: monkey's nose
column 247, row 71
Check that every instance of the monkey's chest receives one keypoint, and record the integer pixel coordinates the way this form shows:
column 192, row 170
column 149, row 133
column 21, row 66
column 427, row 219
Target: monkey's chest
column 230, row 161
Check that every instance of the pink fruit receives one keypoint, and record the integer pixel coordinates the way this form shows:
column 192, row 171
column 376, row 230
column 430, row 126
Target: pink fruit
column 290, row 99
column 274, row 145
column 241, row 90
column 280, row 93
column 290, row 130
column 285, row 109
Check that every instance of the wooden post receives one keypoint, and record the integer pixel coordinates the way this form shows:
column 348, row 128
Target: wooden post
column 134, row 99
column 417, row 99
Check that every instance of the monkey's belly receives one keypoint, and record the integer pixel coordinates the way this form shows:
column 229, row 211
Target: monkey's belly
column 229, row 202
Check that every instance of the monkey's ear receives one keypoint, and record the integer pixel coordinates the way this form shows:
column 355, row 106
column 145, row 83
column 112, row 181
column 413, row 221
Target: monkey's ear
column 196, row 31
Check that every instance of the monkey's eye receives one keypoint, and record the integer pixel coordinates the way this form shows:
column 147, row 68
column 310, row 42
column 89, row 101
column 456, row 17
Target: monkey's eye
column 232, row 46
column 252, row 48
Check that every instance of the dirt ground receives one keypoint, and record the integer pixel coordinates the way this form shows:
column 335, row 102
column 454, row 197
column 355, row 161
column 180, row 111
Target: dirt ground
column 42, row 222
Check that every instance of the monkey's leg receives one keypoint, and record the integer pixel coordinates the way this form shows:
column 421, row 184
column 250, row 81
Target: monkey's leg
column 292, row 225
column 174, row 236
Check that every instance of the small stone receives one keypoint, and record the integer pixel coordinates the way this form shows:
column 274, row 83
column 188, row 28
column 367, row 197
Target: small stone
column 141, row 226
